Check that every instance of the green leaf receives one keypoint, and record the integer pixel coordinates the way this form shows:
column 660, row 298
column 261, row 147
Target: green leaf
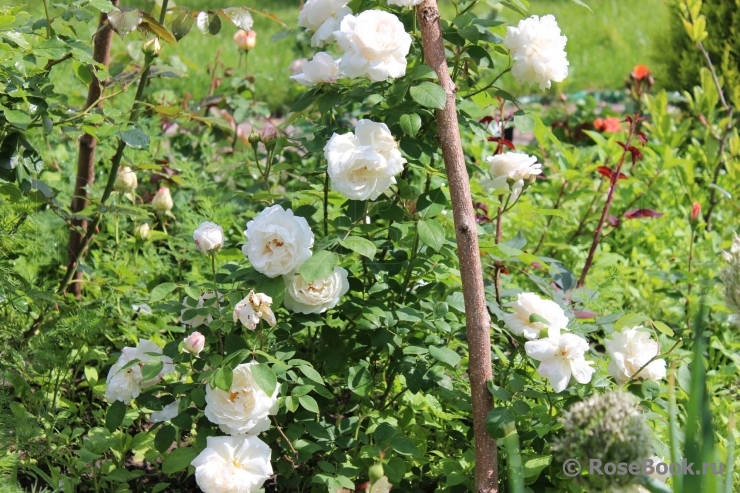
column 114, row 416
column 164, row 438
column 309, row 403
column 629, row 320
column 524, row 121
column 208, row 23
column 91, row 375
column 222, row 378
column 663, row 328
column 404, row 446
column 151, row 370
column 265, row 378
column 311, row 373
column 533, row 318
column 319, row 266
column 410, row 124
column 422, row 72
column 431, row 233
column 429, row 95
column 124, row 21
column 239, row 16
column 182, row 25
column 431, row 203
column 102, row 5
column 444, row 355
column 160, row 292
column 359, row 380
column 497, row 419
column 18, row 119
column 499, row 393
column 158, row 29
column 364, row 247
column 135, row 138
column 178, row 460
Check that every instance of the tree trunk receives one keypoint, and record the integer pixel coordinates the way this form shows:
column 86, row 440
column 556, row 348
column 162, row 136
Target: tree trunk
column 86, row 158
column 478, row 321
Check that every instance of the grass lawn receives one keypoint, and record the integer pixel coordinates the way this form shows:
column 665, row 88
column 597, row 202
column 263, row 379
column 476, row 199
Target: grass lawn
column 603, row 46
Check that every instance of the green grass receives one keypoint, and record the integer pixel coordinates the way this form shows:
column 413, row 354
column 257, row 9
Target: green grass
column 605, row 45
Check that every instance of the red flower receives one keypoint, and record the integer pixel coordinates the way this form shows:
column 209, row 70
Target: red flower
column 609, row 173
column 640, row 72
column 695, row 210
column 610, row 124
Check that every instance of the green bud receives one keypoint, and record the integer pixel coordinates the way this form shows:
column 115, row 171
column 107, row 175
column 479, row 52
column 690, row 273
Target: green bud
column 376, row 472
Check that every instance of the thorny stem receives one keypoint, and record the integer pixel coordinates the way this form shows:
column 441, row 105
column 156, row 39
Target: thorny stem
column 608, row 204
column 326, row 204
column 218, row 305
column 116, row 162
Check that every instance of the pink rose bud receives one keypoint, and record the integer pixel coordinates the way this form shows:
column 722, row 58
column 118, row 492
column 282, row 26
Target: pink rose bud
column 194, row 343
column 245, row 40
column 695, row 210
column 162, row 200
column 268, row 134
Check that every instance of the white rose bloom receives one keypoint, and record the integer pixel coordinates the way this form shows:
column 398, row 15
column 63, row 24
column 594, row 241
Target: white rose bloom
column 126, row 180
column 277, row 241
column 511, row 167
column 124, row 385
column 168, row 412
column 245, row 409
column 405, row 3
column 730, row 276
column 232, row 465
column 209, row 237
column 375, row 45
column 538, row 51
column 629, row 351
column 561, row 356
column 323, row 68
column 323, row 17
column 252, row 309
column 528, row 304
column 162, row 200
column 363, row 165
column 316, row 296
column 199, row 320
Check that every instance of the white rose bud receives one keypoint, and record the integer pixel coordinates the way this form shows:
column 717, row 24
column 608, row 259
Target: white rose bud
column 322, row 69
column 278, row 242
column 162, row 200
column 194, row 343
column 323, row 17
column 152, row 48
column 143, row 231
column 252, row 309
column 533, row 314
column 126, row 180
column 375, row 45
column 316, row 296
column 363, row 165
column 209, row 237
column 538, row 51
column 630, row 350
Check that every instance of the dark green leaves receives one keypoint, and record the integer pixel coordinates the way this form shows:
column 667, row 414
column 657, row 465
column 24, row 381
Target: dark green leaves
column 135, row 138
column 178, row 460
column 429, row 95
column 320, row 265
column 114, row 416
column 445, row 355
column 182, row 25
column 208, row 23
column 496, row 420
column 222, row 379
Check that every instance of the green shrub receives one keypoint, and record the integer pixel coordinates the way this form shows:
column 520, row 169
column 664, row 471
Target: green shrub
column 678, row 60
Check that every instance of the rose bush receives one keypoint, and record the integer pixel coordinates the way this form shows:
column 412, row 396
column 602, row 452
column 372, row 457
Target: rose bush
column 326, row 347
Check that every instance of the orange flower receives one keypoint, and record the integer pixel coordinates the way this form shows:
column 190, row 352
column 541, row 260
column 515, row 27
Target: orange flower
column 610, row 124
column 640, row 72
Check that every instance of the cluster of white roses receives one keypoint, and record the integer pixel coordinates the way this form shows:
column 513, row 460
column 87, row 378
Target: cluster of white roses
column 562, row 355
column 362, row 164
column 374, row 43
